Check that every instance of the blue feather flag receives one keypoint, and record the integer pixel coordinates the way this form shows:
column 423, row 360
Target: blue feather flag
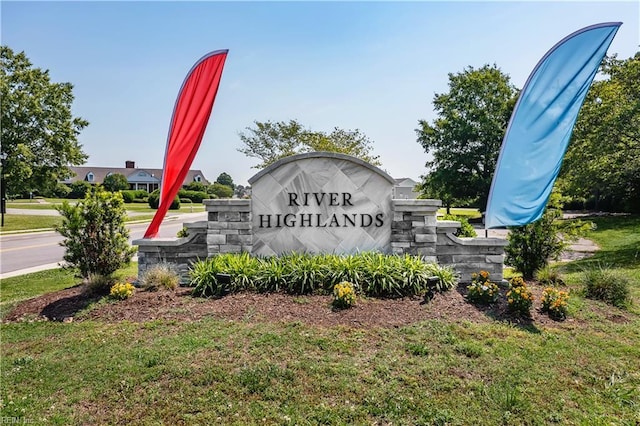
column 541, row 124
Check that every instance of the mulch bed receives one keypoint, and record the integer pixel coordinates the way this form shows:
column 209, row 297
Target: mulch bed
column 70, row 305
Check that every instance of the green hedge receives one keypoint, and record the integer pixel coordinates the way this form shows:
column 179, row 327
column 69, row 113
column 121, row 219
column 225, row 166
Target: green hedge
column 372, row 274
column 194, row 196
column 154, row 199
column 130, row 195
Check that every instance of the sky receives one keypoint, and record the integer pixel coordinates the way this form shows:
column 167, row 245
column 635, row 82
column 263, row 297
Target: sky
column 372, row 66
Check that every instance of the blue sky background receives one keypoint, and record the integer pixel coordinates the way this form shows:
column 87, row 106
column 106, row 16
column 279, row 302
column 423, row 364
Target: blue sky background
column 374, row 66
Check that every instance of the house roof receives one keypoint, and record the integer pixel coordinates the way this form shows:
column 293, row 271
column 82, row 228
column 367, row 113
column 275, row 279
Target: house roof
column 405, row 182
column 138, row 174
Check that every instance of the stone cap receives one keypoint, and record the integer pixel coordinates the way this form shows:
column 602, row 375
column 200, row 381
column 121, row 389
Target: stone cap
column 417, row 205
column 320, row 154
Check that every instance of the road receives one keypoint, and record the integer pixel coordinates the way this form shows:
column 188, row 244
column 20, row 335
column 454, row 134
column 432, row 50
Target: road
column 39, row 250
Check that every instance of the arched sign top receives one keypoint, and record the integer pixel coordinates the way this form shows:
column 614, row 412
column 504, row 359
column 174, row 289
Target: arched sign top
column 319, row 154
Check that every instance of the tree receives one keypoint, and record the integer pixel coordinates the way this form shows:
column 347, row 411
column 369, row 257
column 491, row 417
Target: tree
column 603, row 159
column 38, row 132
column 270, row 142
column 195, row 186
column 465, row 139
column 225, row 179
column 79, row 189
column 220, row 190
column 115, row 182
column 96, row 238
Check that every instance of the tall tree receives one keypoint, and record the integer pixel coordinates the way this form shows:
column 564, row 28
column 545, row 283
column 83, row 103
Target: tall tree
column 115, row 182
column 464, row 141
column 603, row 159
column 225, row 179
column 271, row 141
column 39, row 133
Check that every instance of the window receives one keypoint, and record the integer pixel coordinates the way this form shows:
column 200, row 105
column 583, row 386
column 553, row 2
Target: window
column 90, row 177
column 197, row 178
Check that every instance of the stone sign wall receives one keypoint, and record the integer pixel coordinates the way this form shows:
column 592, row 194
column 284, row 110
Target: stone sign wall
column 321, row 203
column 325, row 203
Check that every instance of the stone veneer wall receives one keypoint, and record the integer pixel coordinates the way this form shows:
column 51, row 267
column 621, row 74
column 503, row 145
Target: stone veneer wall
column 179, row 252
column 414, row 230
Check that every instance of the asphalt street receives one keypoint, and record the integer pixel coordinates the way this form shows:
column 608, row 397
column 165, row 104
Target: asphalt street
column 23, row 253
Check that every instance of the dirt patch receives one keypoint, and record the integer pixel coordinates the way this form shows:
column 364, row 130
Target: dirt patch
column 71, row 305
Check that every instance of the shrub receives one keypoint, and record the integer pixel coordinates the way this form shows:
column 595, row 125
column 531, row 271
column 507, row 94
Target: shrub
column 555, row 303
column 532, row 246
column 482, row 290
column 519, row 298
column 183, row 233
column 98, row 283
column 193, row 196
column 131, row 195
column 223, row 274
column 160, row 276
column 96, row 238
column 604, row 284
column 548, row 276
column 344, row 295
column 466, row 229
column 79, row 189
column 115, row 182
column 154, row 200
column 374, row 274
column 61, row 190
column 121, row 291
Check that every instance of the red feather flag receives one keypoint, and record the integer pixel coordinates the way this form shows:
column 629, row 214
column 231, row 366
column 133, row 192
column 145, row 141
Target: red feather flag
column 188, row 124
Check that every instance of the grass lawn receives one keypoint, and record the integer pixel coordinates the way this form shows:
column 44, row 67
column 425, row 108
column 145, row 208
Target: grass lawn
column 469, row 213
column 584, row 371
column 21, row 222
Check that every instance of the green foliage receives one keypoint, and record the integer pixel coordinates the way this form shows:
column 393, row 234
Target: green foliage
column 549, row 276
column 79, row 189
column 374, row 274
column 195, row 186
column 154, row 200
column 532, row 246
column 121, row 291
column 225, row 179
column 183, row 233
column 344, row 295
column 271, row 141
column 38, row 131
column 96, row 239
column 98, row 283
column 160, row 276
column 61, row 190
column 220, row 191
column 115, row 182
column 610, row 286
column 223, row 274
column 482, row 290
column 602, row 164
column 466, row 229
column 519, row 298
column 193, row 196
column 464, row 140
column 131, row 195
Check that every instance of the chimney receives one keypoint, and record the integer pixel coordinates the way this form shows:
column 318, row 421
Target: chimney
column 130, row 164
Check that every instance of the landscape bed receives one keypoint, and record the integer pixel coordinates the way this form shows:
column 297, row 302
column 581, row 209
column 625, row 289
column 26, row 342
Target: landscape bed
column 167, row 357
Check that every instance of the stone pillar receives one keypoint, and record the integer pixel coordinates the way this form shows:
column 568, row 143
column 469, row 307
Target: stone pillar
column 413, row 227
column 229, row 229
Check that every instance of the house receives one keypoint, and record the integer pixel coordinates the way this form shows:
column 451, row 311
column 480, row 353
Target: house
column 139, row 178
column 405, row 189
